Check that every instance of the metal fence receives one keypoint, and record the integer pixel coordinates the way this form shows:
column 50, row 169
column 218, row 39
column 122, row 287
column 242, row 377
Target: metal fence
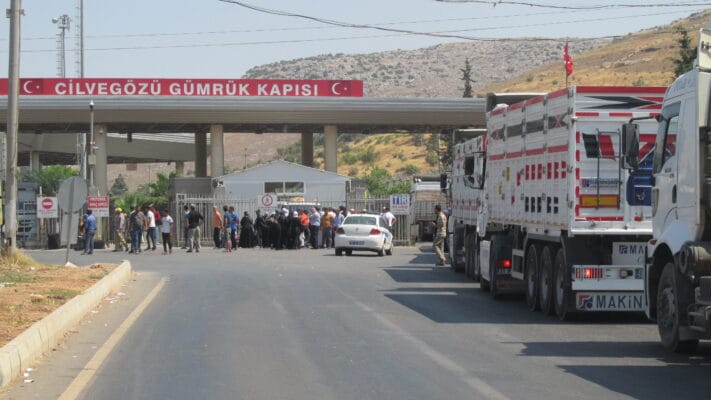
column 402, row 231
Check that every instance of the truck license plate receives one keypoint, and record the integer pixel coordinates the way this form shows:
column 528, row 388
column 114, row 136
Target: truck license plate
column 357, row 242
column 615, row 301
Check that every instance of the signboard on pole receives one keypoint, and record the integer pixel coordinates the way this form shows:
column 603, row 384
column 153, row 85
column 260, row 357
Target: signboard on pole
column 267, row 202
column 47, row 207
column 99, row 205
column 400, row 204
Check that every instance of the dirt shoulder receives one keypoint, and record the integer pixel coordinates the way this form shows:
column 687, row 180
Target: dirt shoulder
column 29, row 290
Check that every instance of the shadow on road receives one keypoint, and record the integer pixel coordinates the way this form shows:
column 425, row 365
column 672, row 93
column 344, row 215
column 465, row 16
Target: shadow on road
column 648, row 382
column 702, row 357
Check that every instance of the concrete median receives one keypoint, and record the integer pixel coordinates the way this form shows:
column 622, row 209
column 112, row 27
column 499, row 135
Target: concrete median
column 44, row 335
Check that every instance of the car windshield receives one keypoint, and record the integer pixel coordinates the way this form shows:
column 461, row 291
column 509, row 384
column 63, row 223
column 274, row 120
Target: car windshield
column 360, row 220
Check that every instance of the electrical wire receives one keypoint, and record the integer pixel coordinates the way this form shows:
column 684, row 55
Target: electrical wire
column 495, row 3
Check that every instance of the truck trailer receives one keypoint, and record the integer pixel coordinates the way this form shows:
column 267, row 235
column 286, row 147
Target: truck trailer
column 547, row 201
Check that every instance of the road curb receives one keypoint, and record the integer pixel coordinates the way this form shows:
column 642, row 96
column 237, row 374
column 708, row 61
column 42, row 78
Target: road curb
column 42, row 336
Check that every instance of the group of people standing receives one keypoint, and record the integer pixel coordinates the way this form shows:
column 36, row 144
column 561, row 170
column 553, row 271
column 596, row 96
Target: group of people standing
column 140, row 223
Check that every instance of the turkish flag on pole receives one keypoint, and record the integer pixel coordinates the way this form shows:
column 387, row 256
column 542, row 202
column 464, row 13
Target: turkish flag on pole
column 567, row 61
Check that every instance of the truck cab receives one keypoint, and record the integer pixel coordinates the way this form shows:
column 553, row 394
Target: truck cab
column 678, row 270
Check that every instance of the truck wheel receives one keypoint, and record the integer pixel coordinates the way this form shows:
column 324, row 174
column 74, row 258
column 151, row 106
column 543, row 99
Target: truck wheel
column 561, row 287
column 493, row 290
column 468, row 270
column 532, row 269
column 545, row 281
column 670, row 300
column 484, row 284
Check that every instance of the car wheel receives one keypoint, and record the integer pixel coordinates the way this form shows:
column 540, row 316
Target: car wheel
column 339, row 252
column 381, row 252
column 389, row 251
column 349, row 252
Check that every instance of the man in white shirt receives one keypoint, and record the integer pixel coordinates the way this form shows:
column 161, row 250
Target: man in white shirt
column 151, row 234
column 389, row 217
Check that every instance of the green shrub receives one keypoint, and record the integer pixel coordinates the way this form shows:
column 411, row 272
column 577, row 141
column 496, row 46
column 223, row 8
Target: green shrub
column 432, row 159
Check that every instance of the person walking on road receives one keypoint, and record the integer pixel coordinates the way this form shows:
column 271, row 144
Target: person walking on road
column 166, row 227
column 120, row 228
column 194, row 219
column 440, row 233
column 89, row 232
column 217, row 227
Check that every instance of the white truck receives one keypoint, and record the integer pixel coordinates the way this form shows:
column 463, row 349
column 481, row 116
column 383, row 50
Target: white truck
column 545, row 203
column 678, row 272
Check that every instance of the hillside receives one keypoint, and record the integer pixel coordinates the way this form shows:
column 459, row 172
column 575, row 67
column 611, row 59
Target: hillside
column 429, row 72
column 643, row 58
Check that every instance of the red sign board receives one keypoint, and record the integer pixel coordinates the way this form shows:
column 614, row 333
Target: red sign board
column 186, row 87
column 47, row 207
column 99, row 205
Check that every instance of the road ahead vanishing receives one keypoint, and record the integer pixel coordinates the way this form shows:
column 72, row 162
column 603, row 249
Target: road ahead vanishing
column 263, row 324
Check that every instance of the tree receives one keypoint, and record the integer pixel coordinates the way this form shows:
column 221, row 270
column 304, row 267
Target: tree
column 685, row 62
column 119, row 187
column 51, row 176
column 467, row 78
column 379, row 183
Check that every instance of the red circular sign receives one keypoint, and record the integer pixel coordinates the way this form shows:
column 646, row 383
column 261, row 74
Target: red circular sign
column 47, row 203
column 267, row 200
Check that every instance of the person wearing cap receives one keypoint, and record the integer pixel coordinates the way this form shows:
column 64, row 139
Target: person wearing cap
column 120, row 228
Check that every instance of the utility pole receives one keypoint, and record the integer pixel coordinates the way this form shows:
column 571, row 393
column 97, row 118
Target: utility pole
column 13, row 114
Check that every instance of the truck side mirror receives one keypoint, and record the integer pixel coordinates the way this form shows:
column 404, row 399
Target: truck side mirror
column 630, row 146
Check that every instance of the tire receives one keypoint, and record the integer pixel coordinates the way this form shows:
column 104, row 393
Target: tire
column 493, row 256
column 381, row 252
column 545, row 281
column 475, row 265
column 531, row 274
column 671, row 299
column 484, row 284
column 349, row 252
column 561, row 287
column 339, row 252
column 389, row 251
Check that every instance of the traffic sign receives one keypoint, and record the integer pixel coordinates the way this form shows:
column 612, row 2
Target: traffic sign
column 400, row 204
column 47, row 207
column 99, row 205
column 72, row 194
column 267, row 202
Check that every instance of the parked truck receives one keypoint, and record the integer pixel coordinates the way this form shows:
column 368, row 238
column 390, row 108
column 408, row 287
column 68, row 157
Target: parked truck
column 678, row 272
column 550, row 201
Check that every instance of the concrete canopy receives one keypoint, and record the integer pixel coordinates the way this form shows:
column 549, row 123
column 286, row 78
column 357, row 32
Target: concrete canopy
column 52, row 114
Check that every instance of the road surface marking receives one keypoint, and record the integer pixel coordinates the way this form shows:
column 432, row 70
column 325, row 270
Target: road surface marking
column 484, row 389
column 84, row 377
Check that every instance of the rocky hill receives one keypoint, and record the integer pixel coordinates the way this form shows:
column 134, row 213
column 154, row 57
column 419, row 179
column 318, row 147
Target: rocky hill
column 429, row 72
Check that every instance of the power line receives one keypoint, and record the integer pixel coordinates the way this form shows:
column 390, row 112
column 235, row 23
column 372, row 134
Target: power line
column 363, row 26
column 495, row 3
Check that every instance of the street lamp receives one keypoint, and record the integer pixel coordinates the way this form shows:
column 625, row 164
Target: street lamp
column 90, row 157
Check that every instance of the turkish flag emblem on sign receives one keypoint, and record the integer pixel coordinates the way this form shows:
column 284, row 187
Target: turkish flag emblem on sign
column 567, row 61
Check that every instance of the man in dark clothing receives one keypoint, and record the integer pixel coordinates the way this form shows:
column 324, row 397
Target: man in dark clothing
column 246, row 235
column 194, row 220
column 260, row 225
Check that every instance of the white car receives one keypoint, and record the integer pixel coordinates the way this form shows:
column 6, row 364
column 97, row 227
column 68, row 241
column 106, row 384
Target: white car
column 366, row 232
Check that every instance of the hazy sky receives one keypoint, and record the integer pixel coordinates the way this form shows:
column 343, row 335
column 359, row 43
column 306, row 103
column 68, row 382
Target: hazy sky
column 210, row 38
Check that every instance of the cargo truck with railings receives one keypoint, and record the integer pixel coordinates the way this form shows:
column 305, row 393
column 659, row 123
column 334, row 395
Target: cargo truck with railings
column 550, row 202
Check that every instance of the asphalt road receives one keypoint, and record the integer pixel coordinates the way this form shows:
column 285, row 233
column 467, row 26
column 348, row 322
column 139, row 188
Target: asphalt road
column 262, row 324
